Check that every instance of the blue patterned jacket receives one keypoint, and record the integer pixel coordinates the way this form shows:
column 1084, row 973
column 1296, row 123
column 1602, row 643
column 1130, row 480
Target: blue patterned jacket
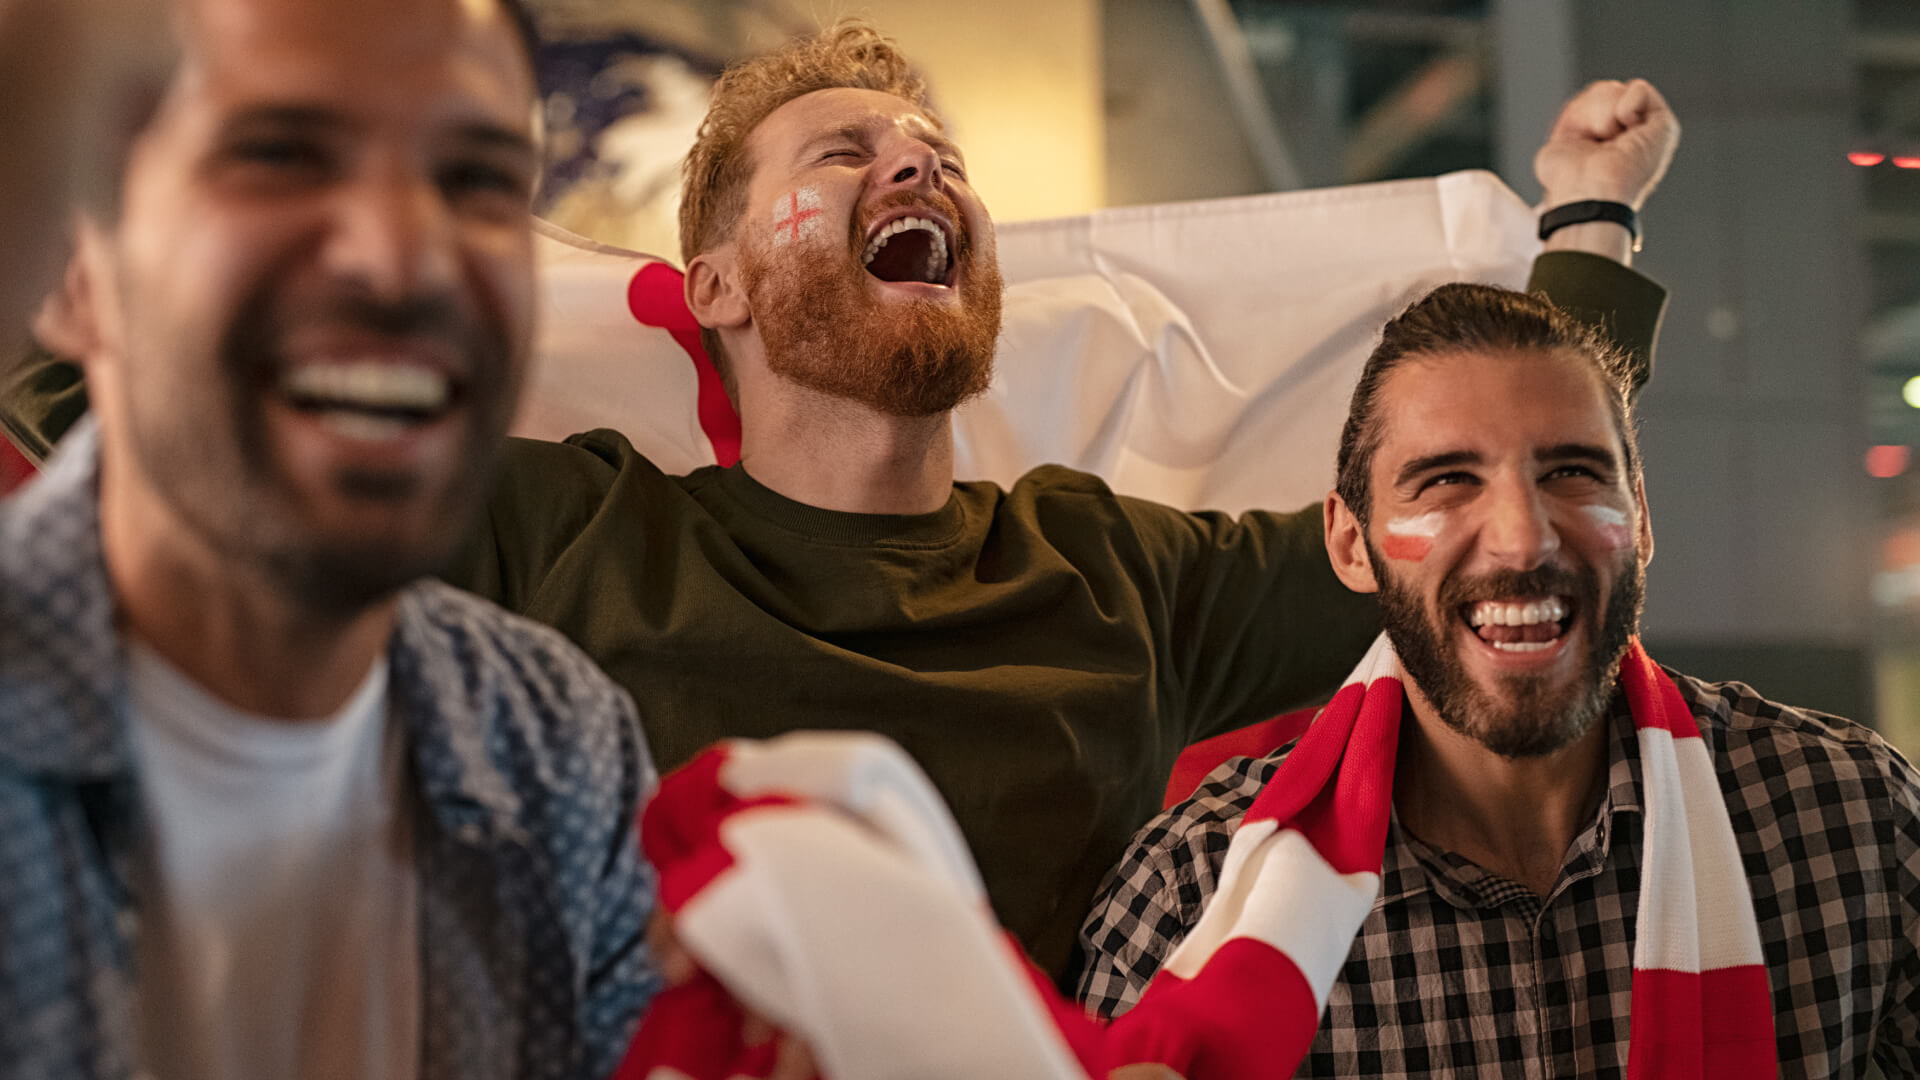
column 528, row 767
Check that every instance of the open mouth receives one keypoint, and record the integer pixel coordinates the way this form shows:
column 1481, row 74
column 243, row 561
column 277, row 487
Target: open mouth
column 910, row 249
column 370, row 400
column 1525, row 626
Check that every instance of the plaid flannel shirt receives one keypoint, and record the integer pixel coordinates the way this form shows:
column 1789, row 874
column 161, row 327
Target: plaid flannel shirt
column 528, row 767
column 1457, row 970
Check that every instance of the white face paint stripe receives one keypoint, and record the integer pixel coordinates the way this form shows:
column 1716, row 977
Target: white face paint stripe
column 1605, row 515
column 796, row 215
column 1427, row 524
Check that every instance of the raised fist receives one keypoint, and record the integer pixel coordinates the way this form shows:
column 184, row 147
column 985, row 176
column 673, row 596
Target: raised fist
column 1612, row 141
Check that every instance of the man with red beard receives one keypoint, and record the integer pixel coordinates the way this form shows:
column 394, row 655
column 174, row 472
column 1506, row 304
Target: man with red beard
column 1588, row 859
column 1044, row 652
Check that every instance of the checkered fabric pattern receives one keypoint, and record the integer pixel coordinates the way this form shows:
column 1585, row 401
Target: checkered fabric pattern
column 1457, row 970
column 529, row 767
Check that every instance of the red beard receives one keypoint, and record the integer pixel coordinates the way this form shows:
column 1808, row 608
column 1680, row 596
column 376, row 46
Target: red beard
column 822, row 331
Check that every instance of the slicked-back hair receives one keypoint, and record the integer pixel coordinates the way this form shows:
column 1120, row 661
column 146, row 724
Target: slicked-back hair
column 1459, row 318
column 851, row 54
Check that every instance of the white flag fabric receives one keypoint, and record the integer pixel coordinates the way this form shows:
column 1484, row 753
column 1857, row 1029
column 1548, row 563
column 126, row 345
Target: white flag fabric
column 1199, row 354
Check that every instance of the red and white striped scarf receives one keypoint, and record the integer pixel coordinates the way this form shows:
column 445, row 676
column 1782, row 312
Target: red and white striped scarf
column 821, row 881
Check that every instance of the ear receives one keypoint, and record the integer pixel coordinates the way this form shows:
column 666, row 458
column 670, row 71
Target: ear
column 1646, row 521
column 1347, row 546
column 715, row 294
column 68, row 320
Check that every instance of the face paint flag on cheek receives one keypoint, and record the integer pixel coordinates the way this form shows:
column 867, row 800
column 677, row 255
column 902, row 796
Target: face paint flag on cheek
column 1614, row 526
column 1409, row 539
column 797, row 216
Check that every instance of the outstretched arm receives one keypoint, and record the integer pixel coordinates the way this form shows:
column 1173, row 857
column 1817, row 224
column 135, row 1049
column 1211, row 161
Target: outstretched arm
column 1613, row 142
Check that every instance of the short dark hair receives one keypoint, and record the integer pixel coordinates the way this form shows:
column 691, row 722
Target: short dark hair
column 1473, row 318
column 104, row 199
column 529, row 31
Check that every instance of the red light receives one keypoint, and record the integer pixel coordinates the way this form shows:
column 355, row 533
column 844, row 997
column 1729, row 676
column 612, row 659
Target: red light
column 1887, row 462
column 1906, row 163
column 1865, row 158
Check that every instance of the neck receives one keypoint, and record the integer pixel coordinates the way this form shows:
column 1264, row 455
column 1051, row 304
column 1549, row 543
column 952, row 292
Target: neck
column 838, row 455
column 1515, row 817
column 225, row 625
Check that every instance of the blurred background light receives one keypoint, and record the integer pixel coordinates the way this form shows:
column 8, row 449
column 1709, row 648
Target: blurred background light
column 1887, row 462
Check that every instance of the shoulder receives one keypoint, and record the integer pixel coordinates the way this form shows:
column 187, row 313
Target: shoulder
column 1184, row 845
column 1061, row 497
column 1800, row 771
column 538, row 701
column 1752, row 733
column 591, row 459
column 1057, row 483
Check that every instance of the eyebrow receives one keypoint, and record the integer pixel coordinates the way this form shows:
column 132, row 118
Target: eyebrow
column 480, row 133
column 853, row 133
column 285, row 116
column 1421, row 465
column 1569, row 451
column 493, row 136
column 1573, row 451
column 862, row 133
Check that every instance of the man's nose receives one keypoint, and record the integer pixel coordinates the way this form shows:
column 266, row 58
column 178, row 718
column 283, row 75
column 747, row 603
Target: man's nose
column 1518, row 531
column 395, row 235
column 909, row 164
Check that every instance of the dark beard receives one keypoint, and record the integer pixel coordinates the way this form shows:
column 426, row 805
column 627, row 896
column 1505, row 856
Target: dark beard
column 1534, row 718
column 239, row 501
column 823, row 332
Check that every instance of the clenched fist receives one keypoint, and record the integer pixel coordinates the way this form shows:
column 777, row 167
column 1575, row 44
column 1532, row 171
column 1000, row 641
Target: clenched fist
column 1613, row 141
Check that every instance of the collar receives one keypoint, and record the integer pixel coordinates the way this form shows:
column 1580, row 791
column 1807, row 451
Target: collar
column 842, row 528
column 1413, row 867
column 62, row 672
column 63, row 689
column 449, row 687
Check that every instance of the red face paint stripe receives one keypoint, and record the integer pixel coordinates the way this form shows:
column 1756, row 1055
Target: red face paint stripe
column 1406, row 548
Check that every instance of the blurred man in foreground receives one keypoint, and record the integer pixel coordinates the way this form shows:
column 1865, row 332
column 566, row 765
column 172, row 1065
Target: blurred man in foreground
column 1554, row 852
column 273, row 806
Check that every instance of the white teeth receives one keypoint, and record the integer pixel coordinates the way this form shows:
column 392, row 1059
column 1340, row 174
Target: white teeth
column 1522, row 646
column 365, row 427
column 1489, row 612
column 936, row 269
column 368, row 384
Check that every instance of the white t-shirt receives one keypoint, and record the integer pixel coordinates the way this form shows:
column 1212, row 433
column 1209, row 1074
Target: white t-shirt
column 278, row 922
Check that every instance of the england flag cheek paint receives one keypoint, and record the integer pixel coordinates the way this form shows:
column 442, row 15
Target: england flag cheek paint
column 797, row 216
column 1409, row 539
column 1614, row 527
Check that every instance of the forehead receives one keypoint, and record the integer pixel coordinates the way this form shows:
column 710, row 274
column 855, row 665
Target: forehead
column 1492, row 403
column 389, row 55
column 823, row 112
